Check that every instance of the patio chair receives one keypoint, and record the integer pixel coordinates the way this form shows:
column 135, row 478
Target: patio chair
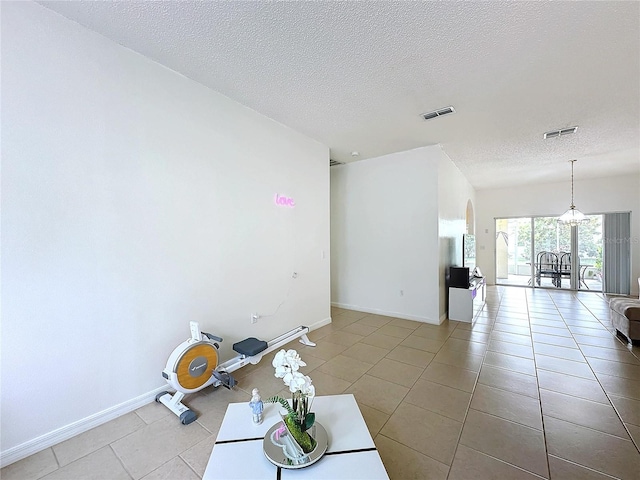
column 547, row 266
column 564, row 268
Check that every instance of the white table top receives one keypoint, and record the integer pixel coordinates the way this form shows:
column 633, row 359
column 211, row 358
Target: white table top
column 351, row 454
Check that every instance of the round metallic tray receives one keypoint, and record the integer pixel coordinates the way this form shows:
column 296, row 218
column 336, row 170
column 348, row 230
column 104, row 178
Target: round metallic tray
column 276, row 455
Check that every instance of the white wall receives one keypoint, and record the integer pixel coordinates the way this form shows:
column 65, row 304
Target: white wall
column 454, row 191
column 133, row 201
column 384, row 235
column 592, row 196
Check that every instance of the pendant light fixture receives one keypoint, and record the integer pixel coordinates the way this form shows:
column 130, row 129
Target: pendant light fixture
column 573, row 216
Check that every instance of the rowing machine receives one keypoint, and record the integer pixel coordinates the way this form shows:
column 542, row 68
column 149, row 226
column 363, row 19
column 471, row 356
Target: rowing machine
column 193, row 365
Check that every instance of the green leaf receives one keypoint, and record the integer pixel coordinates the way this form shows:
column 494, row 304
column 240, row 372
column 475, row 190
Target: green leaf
column 309, row 420
column 283, row 402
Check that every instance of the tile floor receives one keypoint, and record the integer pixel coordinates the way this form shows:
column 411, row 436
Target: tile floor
column 538, row 387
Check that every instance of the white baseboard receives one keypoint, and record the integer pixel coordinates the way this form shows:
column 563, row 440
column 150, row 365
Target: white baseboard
column 65, row 433
column 417, row 318
column 321, row 323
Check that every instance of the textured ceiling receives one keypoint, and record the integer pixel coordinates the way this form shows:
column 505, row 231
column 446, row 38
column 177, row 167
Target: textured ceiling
column 357, row 75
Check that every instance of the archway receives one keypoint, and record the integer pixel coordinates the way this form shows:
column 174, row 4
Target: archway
column 471, row 221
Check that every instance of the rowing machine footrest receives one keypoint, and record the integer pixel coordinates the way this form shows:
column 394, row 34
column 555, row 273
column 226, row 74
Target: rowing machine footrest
column 224, row 378
column 250, row 346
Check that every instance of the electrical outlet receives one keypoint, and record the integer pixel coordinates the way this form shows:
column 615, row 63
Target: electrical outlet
column 254, row 318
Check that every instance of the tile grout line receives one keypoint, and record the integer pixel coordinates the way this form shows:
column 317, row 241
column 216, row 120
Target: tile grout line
column 55, row 455
column 473, row 391
column 121, row 461
column 535, row 365
column 187, row 464
column 539, row 400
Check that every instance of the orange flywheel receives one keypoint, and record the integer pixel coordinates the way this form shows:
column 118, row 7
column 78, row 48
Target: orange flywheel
column 196, row 364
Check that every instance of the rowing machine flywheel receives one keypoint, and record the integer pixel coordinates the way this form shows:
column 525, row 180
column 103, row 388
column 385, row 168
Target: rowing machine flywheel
column 194, row 366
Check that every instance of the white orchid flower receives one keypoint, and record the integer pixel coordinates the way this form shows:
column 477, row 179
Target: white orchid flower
column 285, row 362
column 300, row 382
column 287, row 378
column 306, row 387
column 278, row 360
column 281, row 371
column 311, row 390
column 296, row 380
column 293, row 360
column 288, row 359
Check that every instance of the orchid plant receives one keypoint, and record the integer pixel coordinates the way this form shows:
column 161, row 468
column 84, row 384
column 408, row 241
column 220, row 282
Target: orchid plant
column 287, row 364
column 299, row 419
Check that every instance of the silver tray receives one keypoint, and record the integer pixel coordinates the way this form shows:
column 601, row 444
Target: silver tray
column 275, row 454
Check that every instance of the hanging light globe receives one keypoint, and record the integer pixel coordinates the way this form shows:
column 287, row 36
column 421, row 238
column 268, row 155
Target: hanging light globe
column 573, row 216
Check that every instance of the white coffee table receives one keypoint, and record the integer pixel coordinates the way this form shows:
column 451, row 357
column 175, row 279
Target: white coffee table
column 238, row 453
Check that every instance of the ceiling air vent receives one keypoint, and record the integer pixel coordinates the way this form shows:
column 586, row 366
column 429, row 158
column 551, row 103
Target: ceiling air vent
column 437, row 113
column 560, row 133
column 333, row 163
column 568, row 131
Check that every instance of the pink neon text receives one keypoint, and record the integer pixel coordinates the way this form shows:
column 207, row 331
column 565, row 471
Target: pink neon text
column 286, row 201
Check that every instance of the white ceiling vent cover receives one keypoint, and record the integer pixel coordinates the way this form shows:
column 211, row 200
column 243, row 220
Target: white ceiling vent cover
column 438, row 113
column 560, row 133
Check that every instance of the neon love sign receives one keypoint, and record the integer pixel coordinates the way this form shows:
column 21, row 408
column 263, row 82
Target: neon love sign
column 285, row 201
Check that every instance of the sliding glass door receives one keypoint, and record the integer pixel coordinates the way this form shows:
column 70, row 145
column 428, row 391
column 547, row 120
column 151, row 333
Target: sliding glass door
column 513, row 251
column 541, row 252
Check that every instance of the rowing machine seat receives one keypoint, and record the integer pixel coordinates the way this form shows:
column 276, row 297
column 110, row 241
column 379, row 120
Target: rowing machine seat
column 250, row 346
